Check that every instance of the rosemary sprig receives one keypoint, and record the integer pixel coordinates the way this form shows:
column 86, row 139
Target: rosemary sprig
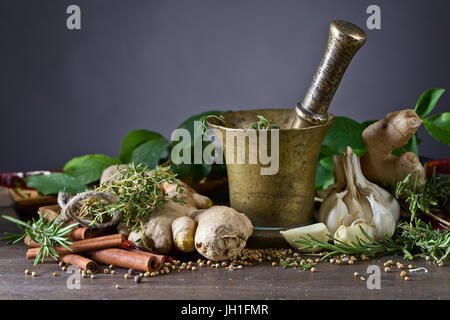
column 368, row 247
column 425, row 197
column 418, row 239
column 138, row 193
column 48, row 234
column 263, row 123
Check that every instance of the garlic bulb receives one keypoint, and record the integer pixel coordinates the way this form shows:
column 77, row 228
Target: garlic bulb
column 353, row 201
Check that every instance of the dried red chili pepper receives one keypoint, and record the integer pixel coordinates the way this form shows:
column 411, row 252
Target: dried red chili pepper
column 441, row 166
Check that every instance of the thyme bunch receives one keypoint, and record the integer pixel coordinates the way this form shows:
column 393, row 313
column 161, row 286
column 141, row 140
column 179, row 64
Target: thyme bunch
column 48, row 234
column 139, row 192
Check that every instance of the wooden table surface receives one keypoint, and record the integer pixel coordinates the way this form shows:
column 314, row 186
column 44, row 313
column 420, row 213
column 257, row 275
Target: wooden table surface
column 253, row 282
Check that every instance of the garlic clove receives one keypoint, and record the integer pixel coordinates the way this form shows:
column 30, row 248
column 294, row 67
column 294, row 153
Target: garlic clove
column 318, row 230
column 349, row 234
column 333, row 211
column 382, row 219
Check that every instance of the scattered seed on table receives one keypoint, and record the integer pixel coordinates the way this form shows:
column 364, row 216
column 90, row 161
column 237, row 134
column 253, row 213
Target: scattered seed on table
column 201, row 264
column 106, row 271
column 126, row 276
column 400, row 266
column 356, row 274
column 274, row 264
column 27, row 272
column 350, row 262
column 111, row 266
column 403, row 274
column 239, row 267
column 194, row 268
column 313, row 269
column 406, row 278
column 331, row 261
column 147, row 274
column 137, row 279
column 34, row 274
column 92, row 276
column 441, row 264
column 117, row 286
column 428, row 258
column 54, row 274
column 410, row 266
column 64, row 268
column 113, row 272
column 387, row 269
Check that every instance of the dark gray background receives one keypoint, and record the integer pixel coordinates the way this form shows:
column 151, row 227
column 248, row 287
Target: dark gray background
column 151, row 64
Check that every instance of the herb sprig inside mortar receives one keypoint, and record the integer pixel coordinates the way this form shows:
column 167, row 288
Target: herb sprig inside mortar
column 138, row 190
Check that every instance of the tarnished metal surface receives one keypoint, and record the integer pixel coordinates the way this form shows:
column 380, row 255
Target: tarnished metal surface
column 287, row 198
column 344, row 40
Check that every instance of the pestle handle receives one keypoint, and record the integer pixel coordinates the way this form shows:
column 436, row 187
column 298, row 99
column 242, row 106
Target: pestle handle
column 344, row 40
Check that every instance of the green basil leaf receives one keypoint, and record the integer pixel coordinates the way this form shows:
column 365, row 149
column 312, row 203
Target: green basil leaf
column 324, row 178
column 438, row 126
column 54, row 183
column 327, row 163
column 427, row 101
column 132, row 140
column 89, row 168
column 149, row 153
column 344, row 132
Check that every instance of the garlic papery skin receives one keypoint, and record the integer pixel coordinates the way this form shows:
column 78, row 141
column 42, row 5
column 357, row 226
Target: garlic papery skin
column 349, row 234
column 352, row 200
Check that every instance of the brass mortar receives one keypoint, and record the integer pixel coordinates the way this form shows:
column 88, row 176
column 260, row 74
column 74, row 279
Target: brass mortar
column 286, row 199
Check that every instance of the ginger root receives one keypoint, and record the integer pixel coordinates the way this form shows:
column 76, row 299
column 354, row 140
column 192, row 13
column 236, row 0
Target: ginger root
column 385, row 135
column 222, row 232
column 183, row 230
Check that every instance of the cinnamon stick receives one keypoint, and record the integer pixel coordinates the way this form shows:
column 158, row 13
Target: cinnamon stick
column 51, row 211
column 80, row 261
column 76, row 234
column 88, row 233
column 111, row 241
column 142, row 261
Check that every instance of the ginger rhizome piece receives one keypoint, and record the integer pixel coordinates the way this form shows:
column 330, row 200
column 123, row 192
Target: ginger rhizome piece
column 392, row 132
